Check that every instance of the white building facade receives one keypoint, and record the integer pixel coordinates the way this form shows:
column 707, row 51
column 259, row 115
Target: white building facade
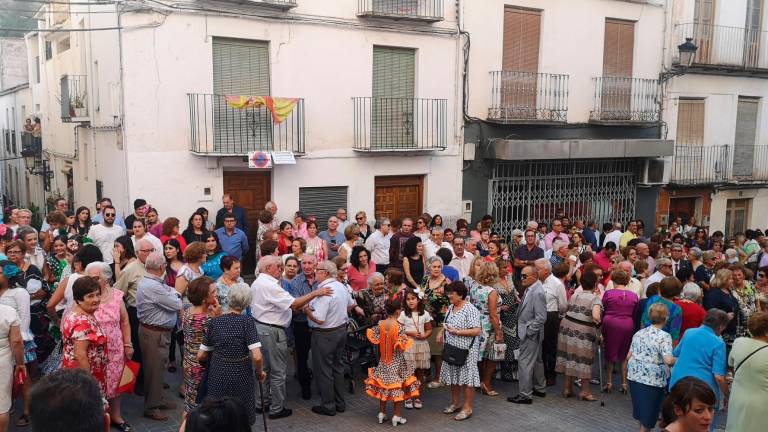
column 363, row 94
column 716, row 113
column 563, row 110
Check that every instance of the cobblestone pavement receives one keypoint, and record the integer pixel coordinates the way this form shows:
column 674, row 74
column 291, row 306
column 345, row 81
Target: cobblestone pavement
column 551, row 414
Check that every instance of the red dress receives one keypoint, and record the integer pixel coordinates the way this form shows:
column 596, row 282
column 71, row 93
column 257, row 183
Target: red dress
column 693, row 315
column 83, row 327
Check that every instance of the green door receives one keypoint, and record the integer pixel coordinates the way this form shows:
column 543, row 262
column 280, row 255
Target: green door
column 240, row 68
column 392, row 105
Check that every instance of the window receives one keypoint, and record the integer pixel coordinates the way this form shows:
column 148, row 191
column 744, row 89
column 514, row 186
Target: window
column 690, row 122
column 618, row 48
column 746, row 134
column 48, row 50
column 394, row 75
column 322, row 202
column 62, row 45
column 522, row 30
column 37, row 69
column 736, row 216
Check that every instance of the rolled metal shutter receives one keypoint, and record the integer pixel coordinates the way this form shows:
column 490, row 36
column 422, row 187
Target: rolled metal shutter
column 322, row 202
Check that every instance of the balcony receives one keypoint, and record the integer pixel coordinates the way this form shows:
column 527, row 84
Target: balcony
column 413, row 10
column 276, row 4
column 74, row 99
column 400, row 124
column 725, row 48
column 625, row 101
column 221, row 126
column 30, row 143
column 528, row 97
column 723, row 164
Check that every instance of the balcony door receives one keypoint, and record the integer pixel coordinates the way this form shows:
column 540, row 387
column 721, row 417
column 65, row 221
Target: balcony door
column 752, row 34
column 618, row 54
column 690, row 162
column 240, row 68
column 703, row 29
column 392, row 105
column 520, row 63
column 746, row 133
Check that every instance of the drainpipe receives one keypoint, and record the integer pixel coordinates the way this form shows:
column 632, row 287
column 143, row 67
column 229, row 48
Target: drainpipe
column 119, row 11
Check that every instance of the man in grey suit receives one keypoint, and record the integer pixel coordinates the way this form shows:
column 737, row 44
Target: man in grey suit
column 530, row 329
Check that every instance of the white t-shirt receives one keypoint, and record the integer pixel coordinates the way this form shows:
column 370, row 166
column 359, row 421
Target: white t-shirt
column 613, row 236
column 378, row 245
column 104, row 238
column 271, row 304
column 415, row 322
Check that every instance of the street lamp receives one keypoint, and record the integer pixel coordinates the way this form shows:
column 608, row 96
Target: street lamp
column 687, row 51
column 37, row 164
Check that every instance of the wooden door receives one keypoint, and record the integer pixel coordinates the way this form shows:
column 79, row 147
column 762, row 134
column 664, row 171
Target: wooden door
column 703, row 29
column 736, row 216
column 683, row 208
column 520, row 62
column 398, row 197
column 618, row 54
column 250, row 190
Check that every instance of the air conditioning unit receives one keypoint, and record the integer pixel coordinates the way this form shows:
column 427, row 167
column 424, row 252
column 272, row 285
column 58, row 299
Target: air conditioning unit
column 654, row 172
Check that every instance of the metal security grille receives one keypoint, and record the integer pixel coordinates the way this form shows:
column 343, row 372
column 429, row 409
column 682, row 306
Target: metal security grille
column 601, row 190
column 322, row 202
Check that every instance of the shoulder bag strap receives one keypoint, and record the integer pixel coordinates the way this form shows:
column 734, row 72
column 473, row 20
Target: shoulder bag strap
column 747, row 357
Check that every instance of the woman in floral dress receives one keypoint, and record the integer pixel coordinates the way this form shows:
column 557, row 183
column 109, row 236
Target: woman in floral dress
column 112, row 317
column 509, row 301
column 436, row 304
column 80, row 328
column 744, row 293
column 205, row 305
column 485, row 298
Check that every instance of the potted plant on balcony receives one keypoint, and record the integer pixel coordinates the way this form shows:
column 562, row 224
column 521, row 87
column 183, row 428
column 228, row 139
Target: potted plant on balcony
column 77, row 106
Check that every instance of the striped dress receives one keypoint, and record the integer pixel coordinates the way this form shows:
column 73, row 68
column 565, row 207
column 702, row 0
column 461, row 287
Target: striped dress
column 577, row 337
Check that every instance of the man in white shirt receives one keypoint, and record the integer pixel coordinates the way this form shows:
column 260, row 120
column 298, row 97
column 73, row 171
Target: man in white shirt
column 139, row 228
column 273, row 307
column 557, row 304
column 644, row 253
column 341, row 215
column 634, row 284
column 328, row 320
column 462, row 259
column 663, row 269
column 435, row 242
column 378, row 245
column 105, row 233
column 613, row 236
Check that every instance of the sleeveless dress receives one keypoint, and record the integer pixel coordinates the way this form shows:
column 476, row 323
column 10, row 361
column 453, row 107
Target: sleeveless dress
column 416, row 267
column 195, row 326
column 108, row 317
column 478, row 297
column 392, row 379
column 618, row 323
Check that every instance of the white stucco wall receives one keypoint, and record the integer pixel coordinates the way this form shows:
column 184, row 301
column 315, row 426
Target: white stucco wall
column 571, row 42
column 757, row 216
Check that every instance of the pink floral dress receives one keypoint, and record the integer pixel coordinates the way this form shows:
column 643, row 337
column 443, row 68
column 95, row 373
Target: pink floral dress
column 108, row 316
column 83, row 327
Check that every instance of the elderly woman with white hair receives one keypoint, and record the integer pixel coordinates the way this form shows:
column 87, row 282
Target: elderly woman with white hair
column 690, row 301
column 372, row 299
column 231, row 347
column 112, row 317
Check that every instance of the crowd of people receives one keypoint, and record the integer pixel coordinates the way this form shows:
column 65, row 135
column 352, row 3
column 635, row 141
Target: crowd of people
column 677, row 319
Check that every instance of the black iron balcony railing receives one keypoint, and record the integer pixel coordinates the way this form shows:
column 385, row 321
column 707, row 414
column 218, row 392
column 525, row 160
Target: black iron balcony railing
column 30, row 143
column 218, row 128
column 278, row 4
column 392, row 124
column 74, row 98
column 418, row 10
column 520, row 97
column 625, row 100
column 720, row 164
column 723, row 46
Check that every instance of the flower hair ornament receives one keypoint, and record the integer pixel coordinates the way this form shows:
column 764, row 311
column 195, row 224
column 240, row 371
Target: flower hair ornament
column 9, row 269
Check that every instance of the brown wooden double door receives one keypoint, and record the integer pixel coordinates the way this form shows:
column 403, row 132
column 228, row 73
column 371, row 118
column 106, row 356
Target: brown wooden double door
column 398, row 197
column 250, row 190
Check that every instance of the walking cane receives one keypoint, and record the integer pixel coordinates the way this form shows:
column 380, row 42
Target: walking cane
column 263, row 405
column 600, row 365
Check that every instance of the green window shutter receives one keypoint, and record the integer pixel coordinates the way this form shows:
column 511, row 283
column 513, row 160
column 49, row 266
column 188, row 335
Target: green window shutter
column 392, row 105
column 322, row 202
column 240, row 68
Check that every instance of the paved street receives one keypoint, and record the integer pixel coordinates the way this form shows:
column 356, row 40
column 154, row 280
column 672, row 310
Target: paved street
column 551, row 414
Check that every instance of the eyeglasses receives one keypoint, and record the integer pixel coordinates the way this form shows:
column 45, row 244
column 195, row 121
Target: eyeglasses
column 146, row 250
column 360, row 218
column 109, row 214
column 526, row 275
column 13, row 252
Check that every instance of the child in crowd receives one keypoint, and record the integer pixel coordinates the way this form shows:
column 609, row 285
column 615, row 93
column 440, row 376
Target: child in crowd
column 418, row 326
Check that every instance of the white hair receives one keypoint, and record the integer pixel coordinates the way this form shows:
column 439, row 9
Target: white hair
column 104, row 269
column 239, row 296
column 691, row 291
column 154, row 261
column 372, row 278
column 532, row 225
column 433, row 259
column 544, row 263
column 267, row 261
column 558, row 244
column 329, row 267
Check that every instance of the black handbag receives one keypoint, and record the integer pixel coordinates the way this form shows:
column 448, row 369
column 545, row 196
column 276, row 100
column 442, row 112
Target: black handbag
column 454, row 355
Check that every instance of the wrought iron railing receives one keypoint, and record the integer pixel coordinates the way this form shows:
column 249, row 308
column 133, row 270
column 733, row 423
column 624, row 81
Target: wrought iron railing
column 528, row 96
column 387, row 124
column 218, row 128
column 425, row 10
column 700, row 164
column 280, row 4
column 718, row 45
column 618, row 99
column 74, row 97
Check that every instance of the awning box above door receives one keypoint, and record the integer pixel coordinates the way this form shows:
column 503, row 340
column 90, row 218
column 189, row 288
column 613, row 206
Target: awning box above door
column 505, row 149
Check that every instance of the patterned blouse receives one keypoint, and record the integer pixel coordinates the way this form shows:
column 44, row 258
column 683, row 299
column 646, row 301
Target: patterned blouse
column 437, row 303
column 746, row 298
column 81, row 327
column 649, row 346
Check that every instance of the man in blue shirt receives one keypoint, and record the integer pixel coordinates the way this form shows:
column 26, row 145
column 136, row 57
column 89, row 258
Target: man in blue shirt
column 229, row 207
column 302, row 285
column 233, row 240
column 590, row 234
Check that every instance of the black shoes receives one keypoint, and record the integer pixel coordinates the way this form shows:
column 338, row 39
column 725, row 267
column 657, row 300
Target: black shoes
column 319, row 409
column 540, row 394
column 519, row 399
column 286, row 412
